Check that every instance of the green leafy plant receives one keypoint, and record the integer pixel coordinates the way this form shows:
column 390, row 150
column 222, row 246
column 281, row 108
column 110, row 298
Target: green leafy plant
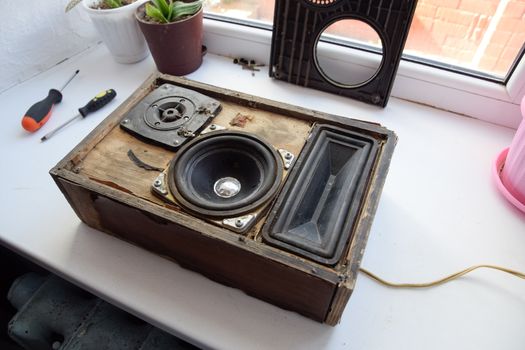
column 167, row 11
column 113, row 3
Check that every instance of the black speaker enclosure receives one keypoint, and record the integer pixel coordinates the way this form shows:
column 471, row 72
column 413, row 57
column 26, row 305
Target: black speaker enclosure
column 198, row 166
column 315, row 213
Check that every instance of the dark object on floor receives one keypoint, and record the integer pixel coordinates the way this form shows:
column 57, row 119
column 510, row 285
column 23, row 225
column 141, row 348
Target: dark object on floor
column 13, row 267
column 54, row 314
column 298, row 25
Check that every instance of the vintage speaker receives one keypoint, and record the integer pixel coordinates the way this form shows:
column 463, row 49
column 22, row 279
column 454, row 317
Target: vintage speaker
column 273, row 199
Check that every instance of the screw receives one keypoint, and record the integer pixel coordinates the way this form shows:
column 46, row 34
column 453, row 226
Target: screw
column 176, row 142
column 125, row 121
column 157, row 183
column 288, row 156
column 213, row 127
column 238, row 223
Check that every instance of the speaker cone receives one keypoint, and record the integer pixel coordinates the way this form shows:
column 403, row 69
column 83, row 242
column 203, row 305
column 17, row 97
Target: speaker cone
column 225, row 174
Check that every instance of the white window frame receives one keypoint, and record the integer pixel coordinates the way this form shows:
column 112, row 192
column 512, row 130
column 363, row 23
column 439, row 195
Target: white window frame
column 473, row 97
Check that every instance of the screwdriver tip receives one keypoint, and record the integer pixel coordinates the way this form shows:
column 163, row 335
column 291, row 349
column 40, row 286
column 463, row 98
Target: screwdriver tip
column 43, row 139
column 78, row 70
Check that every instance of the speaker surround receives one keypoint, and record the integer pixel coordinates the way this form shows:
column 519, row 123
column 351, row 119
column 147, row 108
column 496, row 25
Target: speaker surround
column 225, row 174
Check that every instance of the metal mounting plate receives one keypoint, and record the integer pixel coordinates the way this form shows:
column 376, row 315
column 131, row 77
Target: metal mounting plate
column 170, row 115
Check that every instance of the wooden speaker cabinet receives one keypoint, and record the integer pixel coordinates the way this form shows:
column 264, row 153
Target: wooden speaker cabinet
column 273, row 199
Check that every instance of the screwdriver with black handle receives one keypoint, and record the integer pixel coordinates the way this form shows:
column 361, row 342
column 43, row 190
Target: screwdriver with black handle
column 93, row 105
column 39, row 113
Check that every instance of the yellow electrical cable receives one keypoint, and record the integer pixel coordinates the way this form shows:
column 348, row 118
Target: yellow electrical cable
column 442, row 280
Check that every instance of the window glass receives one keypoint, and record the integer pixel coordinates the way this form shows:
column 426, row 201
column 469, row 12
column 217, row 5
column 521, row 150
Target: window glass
column 483, row 37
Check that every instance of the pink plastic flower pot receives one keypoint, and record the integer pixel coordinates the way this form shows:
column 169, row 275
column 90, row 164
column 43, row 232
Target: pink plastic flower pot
column 509, row 168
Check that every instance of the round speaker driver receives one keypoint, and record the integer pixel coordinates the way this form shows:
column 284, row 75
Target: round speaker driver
column 225, row 173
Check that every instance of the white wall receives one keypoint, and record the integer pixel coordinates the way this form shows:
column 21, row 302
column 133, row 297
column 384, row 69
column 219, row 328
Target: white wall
column 36, row 35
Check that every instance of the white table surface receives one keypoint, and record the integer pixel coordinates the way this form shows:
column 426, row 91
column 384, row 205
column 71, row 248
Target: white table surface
column 439, row 212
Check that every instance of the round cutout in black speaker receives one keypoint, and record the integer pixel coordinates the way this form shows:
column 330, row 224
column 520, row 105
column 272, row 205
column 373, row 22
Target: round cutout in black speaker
column 225, row 174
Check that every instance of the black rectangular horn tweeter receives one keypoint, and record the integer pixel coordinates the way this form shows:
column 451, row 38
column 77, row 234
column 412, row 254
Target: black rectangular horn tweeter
column 316, row 212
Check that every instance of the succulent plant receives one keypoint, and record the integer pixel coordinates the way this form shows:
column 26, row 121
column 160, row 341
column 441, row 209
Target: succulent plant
column 167, row 11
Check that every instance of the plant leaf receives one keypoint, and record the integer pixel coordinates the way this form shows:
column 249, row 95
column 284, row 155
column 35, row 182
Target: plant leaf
column 155, row 13
column 163, row 6
column 181, row 9
column 169, row 17
column 72, row 4
column 113, row 3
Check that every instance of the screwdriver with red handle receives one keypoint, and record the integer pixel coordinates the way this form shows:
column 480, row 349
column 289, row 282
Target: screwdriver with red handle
column 93, row 105
column 39, row 113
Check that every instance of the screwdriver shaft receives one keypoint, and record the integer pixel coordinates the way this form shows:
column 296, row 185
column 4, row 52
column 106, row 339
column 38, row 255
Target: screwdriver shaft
column 51, row 133
column 69, row 80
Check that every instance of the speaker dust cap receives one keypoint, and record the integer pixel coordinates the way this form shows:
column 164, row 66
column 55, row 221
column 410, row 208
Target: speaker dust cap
column 225, row 174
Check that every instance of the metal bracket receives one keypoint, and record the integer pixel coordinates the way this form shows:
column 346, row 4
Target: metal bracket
column 212, row 128
column 159, row 185
column 241, row 223
column 288, row 158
